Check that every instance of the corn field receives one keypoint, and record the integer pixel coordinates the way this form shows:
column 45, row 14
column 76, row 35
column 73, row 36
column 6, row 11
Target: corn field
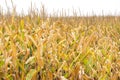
column 35, row 47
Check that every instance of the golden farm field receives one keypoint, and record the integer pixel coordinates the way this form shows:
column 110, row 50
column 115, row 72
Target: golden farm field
column 59, row 48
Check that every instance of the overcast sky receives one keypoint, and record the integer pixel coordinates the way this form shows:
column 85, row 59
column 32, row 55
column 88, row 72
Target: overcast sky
column 85, row 6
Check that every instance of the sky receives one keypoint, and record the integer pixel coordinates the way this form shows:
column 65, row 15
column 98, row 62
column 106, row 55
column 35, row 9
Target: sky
column 82, row 7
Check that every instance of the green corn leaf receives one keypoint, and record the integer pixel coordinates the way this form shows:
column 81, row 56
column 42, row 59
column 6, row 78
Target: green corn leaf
column 30, row 74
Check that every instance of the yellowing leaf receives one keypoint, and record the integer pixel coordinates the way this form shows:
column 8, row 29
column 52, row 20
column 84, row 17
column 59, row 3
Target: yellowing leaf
column 22, row 24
